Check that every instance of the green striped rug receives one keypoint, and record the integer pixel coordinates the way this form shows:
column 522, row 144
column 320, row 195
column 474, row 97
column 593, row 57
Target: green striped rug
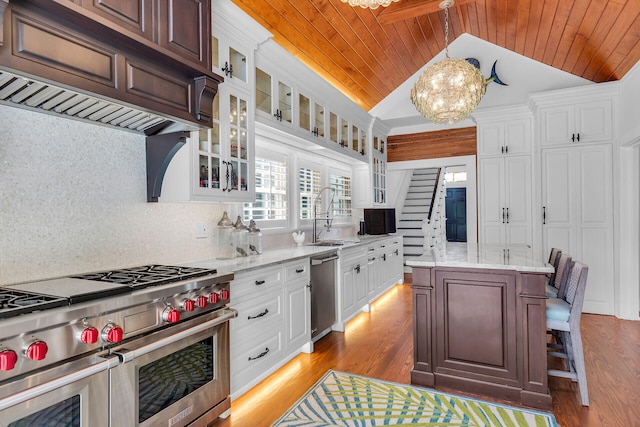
column 341, row 399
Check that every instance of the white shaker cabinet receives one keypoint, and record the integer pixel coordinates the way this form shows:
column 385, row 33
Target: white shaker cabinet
column 505, row 191
column 273, row 323
column 577, row 203
column 505, row 201
column 505, row 137
column 584, row 122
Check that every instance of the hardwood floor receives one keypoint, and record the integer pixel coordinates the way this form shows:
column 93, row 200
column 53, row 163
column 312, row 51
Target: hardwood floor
column 379, row 344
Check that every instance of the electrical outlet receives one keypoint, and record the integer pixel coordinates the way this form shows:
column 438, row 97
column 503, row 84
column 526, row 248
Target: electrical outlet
column 202, row 231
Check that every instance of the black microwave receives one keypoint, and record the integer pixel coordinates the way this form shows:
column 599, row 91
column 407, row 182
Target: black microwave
column 379, row 221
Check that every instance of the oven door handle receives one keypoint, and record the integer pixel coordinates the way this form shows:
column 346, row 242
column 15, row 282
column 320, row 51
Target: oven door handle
column 56, row 383
column 128, row 355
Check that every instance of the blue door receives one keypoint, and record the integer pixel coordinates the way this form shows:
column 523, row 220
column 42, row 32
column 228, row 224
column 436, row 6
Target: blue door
column 456, row 212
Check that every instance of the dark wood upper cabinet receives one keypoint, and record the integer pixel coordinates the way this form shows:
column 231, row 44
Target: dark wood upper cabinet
column 193, row 40
column 134, row 15
column 153, row 54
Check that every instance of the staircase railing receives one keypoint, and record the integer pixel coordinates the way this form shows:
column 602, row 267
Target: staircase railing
column 433, row 196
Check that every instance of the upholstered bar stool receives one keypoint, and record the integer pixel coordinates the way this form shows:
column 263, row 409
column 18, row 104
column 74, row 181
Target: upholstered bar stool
column 563, row 319
column 554, row 288
column 554, row 258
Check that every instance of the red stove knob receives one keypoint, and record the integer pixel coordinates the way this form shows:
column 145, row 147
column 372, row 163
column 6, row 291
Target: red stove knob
column 224, row 294
column 171, row 315
column 112, row 333
column 202, row 301
column 89, row 335
column 214, row 298
column 188, row 305
column 8, row 359
column 37, row 350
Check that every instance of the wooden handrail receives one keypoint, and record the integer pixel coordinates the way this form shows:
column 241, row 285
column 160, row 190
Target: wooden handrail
column 433, row 196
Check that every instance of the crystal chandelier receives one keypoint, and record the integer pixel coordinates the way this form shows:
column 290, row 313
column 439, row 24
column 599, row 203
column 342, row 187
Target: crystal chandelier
column 371, row 4
column 449, row 90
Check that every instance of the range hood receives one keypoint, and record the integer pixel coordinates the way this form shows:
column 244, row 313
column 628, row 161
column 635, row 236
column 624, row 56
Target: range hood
column 78, row 61
column 30, row 94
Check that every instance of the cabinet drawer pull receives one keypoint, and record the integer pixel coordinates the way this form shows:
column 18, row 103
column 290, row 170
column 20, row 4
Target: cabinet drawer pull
column 263, row 354
column 260, row 282
column 264, row 313
column 299, row 270
column 396, row 252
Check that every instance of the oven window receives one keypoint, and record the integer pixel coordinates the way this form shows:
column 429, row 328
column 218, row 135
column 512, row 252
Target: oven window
column 62, row 414
column 167, row 380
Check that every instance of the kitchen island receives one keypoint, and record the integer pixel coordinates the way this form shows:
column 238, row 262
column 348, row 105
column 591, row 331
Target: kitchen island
column 480, row 323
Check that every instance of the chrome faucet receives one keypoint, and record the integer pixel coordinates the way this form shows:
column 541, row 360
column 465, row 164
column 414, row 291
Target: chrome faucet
column 328, row 220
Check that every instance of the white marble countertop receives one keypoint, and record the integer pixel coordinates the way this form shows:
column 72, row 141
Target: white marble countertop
column 280, row 255
column 484, row 256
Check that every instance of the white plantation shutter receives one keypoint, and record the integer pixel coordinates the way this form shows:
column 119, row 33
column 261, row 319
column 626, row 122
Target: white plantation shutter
column 309, row 185
column 341, row 207
column 271, row 193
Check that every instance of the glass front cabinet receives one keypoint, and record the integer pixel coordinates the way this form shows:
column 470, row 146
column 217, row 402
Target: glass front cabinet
column 379, row 171
column 225, row 152
column 274, row 98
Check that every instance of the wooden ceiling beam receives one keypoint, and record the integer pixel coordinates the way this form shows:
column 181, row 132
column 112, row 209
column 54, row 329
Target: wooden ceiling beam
column 410, row 9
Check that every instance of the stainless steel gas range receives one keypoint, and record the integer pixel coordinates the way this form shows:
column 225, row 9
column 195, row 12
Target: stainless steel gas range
column 139, row 346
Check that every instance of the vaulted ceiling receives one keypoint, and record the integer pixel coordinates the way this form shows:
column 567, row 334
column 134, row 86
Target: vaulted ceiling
column 368, row 53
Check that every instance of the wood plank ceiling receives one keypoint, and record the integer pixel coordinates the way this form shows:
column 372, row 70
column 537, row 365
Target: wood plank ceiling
column 368, row 53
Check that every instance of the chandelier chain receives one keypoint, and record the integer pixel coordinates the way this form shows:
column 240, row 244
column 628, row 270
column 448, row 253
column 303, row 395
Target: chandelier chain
column 446, row 32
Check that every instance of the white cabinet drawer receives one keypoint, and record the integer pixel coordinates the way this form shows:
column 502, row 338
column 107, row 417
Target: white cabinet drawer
column 254, row 283
column 297, row 270
column 250, row 360
column 255, row 315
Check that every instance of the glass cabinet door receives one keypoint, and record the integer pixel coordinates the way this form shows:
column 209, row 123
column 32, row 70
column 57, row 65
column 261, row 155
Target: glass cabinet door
column 284, row 102
column 318, row 112
column 344, row 133
column 305, row 112
column 238, row 167
column 363, row 143
column 333, row 127
column 379, row 181
column 263, row 91
column 238, row 65
column 209, row 151
column 355, row 139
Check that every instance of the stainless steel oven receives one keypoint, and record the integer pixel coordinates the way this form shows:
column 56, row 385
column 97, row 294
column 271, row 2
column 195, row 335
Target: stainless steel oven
column 174, row 377
column 139, row 346
column 70, row 395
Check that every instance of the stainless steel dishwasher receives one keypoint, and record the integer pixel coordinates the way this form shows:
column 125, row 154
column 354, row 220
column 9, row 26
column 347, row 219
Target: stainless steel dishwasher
column 323, row 294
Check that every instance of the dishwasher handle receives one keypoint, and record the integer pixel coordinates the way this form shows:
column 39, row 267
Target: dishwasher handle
column 318, row 261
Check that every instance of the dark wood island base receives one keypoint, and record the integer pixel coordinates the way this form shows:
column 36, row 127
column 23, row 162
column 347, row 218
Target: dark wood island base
column 481, row 331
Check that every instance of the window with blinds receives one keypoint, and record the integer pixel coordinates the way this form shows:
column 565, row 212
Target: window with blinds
column 309, row 186
column 271, row 191
column 341, row 207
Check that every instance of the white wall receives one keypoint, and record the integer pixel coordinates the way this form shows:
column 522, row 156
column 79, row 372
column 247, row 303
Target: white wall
column 628, row 215
column 74, row 200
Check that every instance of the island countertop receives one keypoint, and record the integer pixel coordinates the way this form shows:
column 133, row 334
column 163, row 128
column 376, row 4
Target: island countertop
column 483, row 256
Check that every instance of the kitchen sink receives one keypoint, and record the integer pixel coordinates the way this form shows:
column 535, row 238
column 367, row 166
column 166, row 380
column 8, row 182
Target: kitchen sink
column 328, row 243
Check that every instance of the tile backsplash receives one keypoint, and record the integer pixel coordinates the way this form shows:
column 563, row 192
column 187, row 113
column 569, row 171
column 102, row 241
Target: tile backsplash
column 73, row 199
